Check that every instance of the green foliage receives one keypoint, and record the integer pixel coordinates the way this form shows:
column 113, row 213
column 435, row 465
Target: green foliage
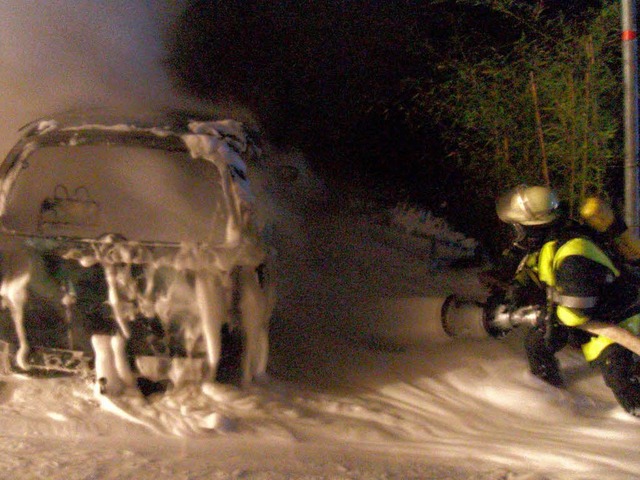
column 546, row 108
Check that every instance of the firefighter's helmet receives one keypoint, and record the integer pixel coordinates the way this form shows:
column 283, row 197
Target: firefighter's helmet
column 526, row 205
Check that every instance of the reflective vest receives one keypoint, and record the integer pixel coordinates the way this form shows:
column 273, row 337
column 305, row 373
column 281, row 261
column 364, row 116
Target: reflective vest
column 570, row 308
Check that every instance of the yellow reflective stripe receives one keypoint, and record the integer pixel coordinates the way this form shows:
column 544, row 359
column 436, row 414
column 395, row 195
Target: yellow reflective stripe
column 570, row 317
column 594, row 347
column 532, row 260
column 546, row 271
column 550, row 257
column 584, row 248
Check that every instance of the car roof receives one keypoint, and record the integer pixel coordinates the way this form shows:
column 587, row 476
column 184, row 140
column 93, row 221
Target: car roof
column 164, row 120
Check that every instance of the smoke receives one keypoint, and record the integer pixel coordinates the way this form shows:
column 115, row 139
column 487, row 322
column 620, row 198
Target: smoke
column 57, row 55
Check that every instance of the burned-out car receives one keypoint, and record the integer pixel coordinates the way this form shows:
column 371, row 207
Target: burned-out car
column 131, row 244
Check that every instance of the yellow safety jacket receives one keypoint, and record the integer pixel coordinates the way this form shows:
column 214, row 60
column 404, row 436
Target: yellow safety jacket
column 572, row 310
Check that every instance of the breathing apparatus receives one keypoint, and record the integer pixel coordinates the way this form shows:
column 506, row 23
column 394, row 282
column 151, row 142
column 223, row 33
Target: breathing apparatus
column 599, row 215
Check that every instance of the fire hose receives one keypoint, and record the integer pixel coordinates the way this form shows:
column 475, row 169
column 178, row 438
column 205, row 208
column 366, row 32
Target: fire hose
column 619, row 335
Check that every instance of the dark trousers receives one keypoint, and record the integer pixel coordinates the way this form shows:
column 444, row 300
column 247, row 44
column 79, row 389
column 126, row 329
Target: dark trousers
column 619, row 371
column 541, row 346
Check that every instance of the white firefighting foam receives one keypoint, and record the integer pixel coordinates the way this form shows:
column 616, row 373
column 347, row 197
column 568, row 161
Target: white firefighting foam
column 239, row 265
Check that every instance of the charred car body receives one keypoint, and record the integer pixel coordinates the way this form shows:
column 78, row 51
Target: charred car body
column 132, row 243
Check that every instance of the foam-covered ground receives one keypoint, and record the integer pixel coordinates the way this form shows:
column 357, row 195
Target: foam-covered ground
column 336, row 406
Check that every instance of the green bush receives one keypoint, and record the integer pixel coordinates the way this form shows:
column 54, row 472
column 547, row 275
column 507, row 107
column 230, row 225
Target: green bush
column 546, row 109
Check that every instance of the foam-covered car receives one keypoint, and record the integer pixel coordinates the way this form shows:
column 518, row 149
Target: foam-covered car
column 131, row 242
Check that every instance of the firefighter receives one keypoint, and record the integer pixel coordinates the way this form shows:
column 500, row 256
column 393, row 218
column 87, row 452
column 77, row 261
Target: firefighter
column 576, row 275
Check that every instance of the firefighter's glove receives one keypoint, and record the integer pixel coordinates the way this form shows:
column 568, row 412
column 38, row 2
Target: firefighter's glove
column 494, row 280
